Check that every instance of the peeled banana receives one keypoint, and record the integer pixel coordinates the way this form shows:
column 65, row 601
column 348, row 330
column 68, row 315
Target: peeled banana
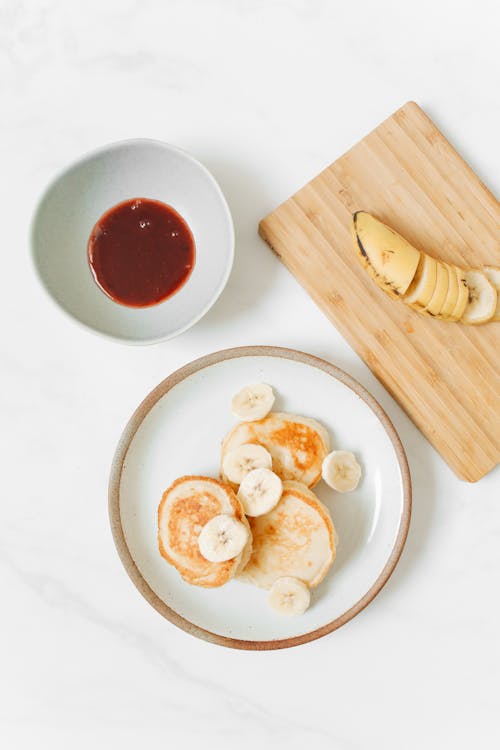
column 428, row 285
column 222, row 538
column 493, row 276
column 463, row 295
column 260, row 492
column 289, row 596
column 451, row 299
column 436, row 302
column 421, row 289
column 244, row 459
column 483, row 297
column 253, row 402
column 341, row 471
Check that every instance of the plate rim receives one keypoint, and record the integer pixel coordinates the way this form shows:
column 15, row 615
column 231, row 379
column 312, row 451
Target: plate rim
column 117, row 469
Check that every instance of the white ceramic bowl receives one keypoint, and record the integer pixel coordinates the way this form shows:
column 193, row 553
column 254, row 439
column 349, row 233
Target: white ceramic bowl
column 79, row 196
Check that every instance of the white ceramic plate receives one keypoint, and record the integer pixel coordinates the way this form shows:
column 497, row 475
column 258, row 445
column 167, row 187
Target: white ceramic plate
column 178, row 429
column 79, row 196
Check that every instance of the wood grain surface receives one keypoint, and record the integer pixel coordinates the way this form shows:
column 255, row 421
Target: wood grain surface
column 446, row 376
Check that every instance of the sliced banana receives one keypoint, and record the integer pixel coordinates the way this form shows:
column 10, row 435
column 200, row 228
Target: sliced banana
column 440, row 290
column 289, row 596
column 260, row 492
column 253, row 402
column 244, row 459
column 463, row 294
column 493, row 276
column 421, row 290
column 388, row 257
column 429, row 286
column 483, row 298
column 451, row 295
column 341, row 471
column 222, row 538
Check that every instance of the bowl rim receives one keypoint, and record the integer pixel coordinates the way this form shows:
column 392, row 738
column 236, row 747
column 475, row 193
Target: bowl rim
column 128, row 435
column 80, row 161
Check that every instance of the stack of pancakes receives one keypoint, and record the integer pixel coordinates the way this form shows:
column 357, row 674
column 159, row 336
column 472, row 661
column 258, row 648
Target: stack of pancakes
column 296, row 538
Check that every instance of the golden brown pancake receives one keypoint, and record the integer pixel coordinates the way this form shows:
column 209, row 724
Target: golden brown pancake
column 297, row 538
column 297, row 445
column 186, row 506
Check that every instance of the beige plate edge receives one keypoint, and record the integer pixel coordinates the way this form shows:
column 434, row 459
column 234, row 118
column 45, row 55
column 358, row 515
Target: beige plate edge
column 128, row 435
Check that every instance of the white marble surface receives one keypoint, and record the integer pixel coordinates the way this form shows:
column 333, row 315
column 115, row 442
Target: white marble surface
column 265, row 93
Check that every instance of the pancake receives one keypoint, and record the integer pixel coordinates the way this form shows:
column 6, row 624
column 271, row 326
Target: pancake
column 297, row 538
column 297, row 445
column 185, row 508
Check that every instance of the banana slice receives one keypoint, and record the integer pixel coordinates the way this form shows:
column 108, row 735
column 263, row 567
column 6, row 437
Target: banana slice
column 222, row 538
column 451, row 295
column 289, row 596
column 247, row 457
column 463, row 294
column 483, row 298
column 421, row 290
column 440, row 290
column 253, row 402
column 388, row 257
column 260, row 492
column 341, row 471
column 493, row 276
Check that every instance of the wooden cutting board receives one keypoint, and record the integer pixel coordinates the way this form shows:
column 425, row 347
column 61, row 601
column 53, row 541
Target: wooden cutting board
column 446, row 376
